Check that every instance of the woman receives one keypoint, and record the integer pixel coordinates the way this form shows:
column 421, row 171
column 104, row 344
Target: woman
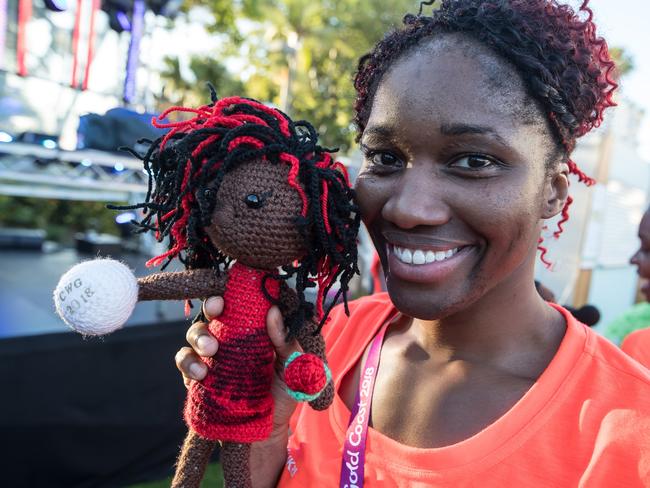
column 467, row 120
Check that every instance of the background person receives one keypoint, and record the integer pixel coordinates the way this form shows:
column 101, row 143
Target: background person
column 634, row 325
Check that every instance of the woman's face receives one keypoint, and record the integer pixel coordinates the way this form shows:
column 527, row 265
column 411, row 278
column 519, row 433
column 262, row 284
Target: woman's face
column 455, row 182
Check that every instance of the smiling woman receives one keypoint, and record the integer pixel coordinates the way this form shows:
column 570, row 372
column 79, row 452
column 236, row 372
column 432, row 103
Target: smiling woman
column 462, row 375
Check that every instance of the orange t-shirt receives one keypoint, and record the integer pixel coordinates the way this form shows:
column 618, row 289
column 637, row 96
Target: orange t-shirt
column 637, row 345
column 584, row 423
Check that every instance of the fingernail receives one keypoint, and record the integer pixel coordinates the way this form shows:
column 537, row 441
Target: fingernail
column 196, row 370
column 204, row 342
column 211, row 303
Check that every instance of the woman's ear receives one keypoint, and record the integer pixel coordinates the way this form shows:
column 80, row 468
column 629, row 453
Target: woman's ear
column 556, row 191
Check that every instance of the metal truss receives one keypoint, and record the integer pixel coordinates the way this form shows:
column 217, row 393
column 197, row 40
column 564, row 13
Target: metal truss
column 34, row 171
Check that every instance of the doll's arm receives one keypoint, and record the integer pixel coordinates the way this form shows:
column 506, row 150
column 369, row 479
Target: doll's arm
column 180, row 285
column 97, row 297
column 310, row 342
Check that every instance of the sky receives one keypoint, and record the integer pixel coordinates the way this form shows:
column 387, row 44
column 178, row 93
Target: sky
column 624, row 23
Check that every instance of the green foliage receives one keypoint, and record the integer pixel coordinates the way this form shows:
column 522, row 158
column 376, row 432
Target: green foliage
column 299, row 55
column 213, row 479
column 59, row 218
column 624, row 61
column 637, row 317
column 194, row 93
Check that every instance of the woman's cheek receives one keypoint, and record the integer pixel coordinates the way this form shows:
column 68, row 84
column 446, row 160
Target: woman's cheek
column 510, row 225
column 371, row 196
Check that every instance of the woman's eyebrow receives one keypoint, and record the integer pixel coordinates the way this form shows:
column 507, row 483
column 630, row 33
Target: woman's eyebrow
column 378, row 131
column 465, row 129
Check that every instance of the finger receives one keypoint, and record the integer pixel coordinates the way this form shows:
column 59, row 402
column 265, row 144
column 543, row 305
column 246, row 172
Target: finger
column 212, row 307
column 198, row 336
column 278, row 334
column 190, row 365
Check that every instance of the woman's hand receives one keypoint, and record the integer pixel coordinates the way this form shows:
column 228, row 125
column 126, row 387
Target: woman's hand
column 203, row 344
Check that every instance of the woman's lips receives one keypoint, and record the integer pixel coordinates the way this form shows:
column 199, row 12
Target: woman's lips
column 422, row 241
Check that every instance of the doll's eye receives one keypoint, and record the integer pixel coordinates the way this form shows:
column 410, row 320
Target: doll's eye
column 209, row 194
column 254, row 200
column 257, row 200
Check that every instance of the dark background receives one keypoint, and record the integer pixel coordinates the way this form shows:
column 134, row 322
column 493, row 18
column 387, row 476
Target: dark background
column 75, row 412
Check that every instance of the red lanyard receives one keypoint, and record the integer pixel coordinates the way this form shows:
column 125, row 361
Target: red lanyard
column 354, row 448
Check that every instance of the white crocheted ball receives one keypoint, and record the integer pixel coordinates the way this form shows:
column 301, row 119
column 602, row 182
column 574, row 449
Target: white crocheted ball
column 96, row 297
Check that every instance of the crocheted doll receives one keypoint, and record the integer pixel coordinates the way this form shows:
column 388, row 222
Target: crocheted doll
column 247, row 200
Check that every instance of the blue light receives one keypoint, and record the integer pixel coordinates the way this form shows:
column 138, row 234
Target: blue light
column 118, row 167
column 49, row 144
column 125, row 217
column 4, row 137
column 86, row 162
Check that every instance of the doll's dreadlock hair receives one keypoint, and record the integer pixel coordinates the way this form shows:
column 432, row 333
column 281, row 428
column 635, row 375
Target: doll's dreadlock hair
column 187, row 165
column 565, row 66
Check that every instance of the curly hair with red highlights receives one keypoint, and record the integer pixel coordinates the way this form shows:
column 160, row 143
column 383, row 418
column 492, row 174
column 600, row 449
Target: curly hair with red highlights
column 565, row 66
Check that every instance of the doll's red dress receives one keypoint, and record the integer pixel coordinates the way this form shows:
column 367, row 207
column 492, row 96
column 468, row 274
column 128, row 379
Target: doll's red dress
column 234, row 402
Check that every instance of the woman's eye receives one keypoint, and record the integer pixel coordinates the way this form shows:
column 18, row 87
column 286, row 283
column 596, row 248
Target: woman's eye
column 473, row 162
column 384, row 159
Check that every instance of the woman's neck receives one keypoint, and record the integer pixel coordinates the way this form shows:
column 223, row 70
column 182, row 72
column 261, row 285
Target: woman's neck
column 510, row 327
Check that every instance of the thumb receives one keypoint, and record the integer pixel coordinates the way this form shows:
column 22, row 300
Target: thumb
column 278, row 334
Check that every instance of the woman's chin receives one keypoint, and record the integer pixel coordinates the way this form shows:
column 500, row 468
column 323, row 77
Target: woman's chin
column 424, row 303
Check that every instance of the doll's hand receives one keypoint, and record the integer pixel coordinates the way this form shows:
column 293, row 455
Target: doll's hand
column 203, row 344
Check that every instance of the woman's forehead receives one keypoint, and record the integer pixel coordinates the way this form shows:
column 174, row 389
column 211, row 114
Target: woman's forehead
column 454, row 79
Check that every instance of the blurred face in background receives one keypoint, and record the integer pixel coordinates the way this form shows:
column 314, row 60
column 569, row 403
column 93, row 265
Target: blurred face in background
column 641, row 258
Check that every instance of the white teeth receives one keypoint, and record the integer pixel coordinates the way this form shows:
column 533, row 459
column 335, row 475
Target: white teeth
column 418, row 256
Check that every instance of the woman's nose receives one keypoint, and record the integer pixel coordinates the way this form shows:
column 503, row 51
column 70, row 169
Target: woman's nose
column 417, row 199
column 635, row 259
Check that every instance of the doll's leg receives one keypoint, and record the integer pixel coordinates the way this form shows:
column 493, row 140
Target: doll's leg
column 236, row 469
column 192, row 461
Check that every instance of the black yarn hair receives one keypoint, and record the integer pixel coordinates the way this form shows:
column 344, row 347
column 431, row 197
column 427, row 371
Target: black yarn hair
column 187, row 165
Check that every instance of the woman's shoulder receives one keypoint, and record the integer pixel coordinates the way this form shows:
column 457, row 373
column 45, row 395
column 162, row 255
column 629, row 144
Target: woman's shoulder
column 614, row 362
column 594, row 368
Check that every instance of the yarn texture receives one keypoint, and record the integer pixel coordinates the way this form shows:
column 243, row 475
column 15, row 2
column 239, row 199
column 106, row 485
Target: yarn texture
column 96, row 297
column 233, row 402
column 306, row 376
column 246, row 199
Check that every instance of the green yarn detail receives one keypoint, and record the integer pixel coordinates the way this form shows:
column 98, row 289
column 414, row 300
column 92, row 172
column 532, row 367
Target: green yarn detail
column 291, row 358
column 304, row 397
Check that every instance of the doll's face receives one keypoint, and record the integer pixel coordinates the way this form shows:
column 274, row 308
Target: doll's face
column 254, row 216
